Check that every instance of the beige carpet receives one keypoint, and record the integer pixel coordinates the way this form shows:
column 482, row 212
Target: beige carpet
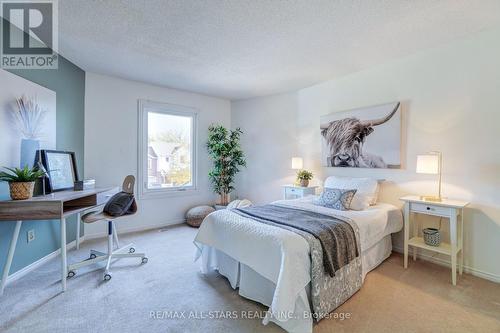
column 420, row 299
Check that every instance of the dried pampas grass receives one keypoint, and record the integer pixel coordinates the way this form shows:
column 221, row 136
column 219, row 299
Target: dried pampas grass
column 28, row 117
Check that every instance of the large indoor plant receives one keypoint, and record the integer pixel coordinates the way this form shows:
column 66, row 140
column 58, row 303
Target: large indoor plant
column 21, row 181
column 224, row 148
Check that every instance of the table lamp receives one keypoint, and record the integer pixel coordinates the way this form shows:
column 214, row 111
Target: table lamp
column 431, row 163
column 297, row 163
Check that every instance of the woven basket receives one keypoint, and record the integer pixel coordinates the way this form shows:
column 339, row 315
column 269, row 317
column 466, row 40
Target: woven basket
column 21, row 190
column 196, row 215
column 432, row 236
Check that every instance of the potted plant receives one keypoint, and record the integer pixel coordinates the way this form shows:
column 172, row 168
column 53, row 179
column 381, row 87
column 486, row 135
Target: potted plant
column 303, row 177
column 224, row 148
column 21, row 181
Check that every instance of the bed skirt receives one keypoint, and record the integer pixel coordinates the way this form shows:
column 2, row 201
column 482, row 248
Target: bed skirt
column 255, row 287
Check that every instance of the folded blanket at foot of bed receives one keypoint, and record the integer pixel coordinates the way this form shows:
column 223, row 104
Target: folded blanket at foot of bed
column 336, row 236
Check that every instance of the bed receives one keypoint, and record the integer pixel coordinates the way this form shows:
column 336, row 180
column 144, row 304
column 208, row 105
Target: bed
column 275, row 266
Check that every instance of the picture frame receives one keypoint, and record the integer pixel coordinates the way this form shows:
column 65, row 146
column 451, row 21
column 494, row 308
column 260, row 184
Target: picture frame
column 61, row 168
column 366, row 137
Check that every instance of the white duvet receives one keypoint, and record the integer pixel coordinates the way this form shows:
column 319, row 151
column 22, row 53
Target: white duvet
column 280, row 255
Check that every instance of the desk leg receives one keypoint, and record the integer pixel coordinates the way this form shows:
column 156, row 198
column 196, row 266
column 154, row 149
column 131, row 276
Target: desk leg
column 453, row 241
column 78, row 222
column 64, row 264
column 10, row 256
column 461, row 243
column 406, row 233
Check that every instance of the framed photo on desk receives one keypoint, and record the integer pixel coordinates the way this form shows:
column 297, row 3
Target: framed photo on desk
column 61, row 167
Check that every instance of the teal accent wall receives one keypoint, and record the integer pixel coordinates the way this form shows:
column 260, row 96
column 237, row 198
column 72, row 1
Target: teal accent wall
column 68, row 81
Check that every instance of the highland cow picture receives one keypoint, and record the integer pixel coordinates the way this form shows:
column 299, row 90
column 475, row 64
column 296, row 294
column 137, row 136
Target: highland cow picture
column 362, row 138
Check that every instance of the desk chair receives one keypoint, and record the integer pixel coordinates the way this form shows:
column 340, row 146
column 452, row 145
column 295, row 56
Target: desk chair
column 127, row 251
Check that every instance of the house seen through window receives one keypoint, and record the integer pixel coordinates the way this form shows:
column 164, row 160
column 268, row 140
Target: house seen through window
column 169, row 150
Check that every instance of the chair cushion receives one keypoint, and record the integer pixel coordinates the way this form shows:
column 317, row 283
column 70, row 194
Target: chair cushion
column 195, row 215
column 121, row 203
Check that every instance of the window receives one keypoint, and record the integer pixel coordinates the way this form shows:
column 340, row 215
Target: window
column 167, row 159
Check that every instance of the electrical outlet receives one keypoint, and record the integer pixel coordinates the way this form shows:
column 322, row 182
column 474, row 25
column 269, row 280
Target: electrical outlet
column 31, row 235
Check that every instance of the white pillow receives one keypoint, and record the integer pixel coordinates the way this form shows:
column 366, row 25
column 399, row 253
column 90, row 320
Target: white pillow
column 239, row 204
column 366, row 194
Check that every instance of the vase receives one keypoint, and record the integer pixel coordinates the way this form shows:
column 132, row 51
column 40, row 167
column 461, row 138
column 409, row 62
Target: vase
column 29, row 149
column 21, row 190
column 304, row 182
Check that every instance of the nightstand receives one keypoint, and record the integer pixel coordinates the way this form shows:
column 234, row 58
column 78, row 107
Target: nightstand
column 295, row 192
column 451, row 209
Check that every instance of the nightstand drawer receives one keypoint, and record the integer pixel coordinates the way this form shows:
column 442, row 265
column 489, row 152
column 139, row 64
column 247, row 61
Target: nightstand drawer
column 295, row 191
column 431, row 209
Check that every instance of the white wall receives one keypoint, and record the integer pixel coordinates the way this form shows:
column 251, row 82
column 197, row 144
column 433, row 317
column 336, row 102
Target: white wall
column 269, row 139
column 451, row 99
column 111, row 144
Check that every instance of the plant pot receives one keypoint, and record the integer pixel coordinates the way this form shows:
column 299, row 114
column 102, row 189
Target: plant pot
column 21, row 190
column 304, row 182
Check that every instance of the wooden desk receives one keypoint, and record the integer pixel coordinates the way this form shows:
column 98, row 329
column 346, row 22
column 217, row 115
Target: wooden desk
column 55, row 206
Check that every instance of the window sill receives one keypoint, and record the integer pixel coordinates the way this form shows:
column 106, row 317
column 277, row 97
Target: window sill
column 168, row 194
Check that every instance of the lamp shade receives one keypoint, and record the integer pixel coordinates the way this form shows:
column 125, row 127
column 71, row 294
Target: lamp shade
column 297, row 163
column 428, row 163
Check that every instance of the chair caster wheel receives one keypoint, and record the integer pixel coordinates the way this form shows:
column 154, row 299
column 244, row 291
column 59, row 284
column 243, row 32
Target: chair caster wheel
column 107, row 277
column 144, row 260
column 131, row 250
column 71, row 274
column 93, row 256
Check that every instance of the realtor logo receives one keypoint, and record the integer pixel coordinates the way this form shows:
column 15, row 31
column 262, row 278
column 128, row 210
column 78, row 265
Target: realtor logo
column 29, row 34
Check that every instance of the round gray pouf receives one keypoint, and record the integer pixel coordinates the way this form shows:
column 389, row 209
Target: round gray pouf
column 195, row 215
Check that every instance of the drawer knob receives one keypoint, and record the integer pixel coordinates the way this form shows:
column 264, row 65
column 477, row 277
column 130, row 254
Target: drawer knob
column 428, row 208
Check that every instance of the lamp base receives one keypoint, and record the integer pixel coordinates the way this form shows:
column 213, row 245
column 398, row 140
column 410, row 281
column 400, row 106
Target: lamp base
column 430, row 198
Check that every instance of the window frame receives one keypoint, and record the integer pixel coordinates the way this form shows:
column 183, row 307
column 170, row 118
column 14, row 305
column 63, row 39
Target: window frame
column 142, row 152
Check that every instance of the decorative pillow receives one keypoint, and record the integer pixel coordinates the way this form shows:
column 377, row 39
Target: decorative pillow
column 339, row 199
column 366, row 190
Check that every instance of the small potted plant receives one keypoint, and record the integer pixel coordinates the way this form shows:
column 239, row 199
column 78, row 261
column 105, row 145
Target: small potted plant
column 303, row 177
column 21, row 181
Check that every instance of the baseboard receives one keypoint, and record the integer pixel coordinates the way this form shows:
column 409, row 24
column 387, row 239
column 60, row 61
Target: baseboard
column 26, row 270
column 443, row 262
column 136, row 228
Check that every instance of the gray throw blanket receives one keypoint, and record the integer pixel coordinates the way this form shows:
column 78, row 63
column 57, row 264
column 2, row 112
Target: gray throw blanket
column 337, row 237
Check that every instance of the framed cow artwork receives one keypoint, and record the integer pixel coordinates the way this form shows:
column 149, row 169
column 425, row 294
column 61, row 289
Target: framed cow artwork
column 367, row 137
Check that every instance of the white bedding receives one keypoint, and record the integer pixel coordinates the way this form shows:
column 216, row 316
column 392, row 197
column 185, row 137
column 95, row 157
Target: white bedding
column 373, row 222
column 279, row 255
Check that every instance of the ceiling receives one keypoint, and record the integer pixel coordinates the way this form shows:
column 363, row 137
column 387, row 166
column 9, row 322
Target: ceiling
column 242, row 49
